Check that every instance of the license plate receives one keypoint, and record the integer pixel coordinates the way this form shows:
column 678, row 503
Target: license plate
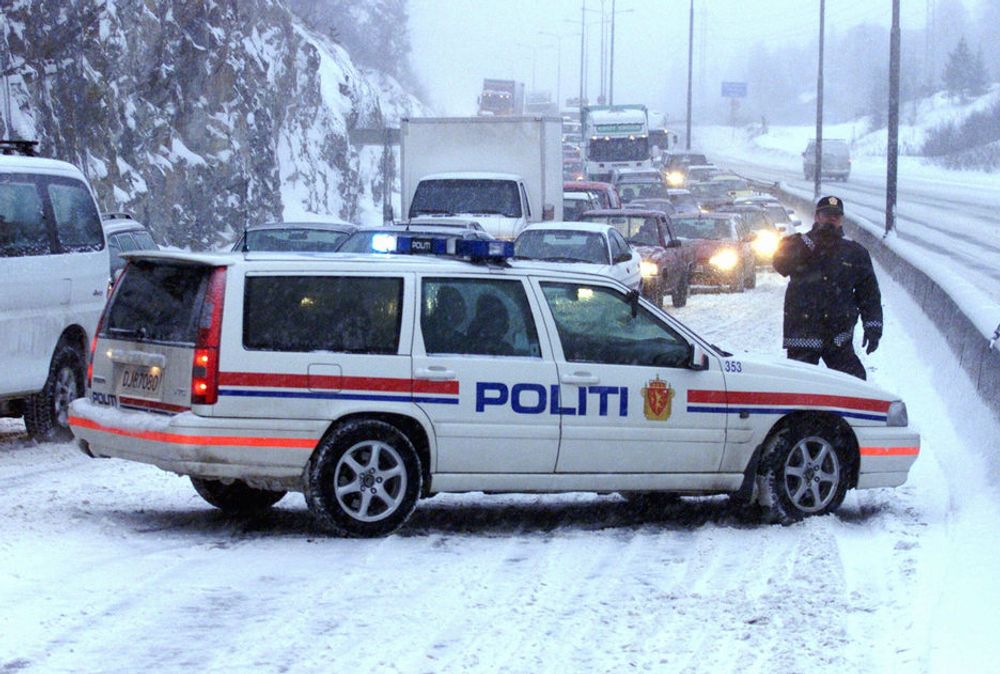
column 140, row 381
column 699, row 268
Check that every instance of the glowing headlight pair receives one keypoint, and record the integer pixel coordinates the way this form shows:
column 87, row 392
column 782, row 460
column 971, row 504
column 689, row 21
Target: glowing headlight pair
column 649, row 269
column 765, row 243
column 724, row 259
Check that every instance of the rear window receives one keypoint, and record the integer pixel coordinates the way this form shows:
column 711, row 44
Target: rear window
column 22, row 219
column 323, row 313
column 158, row 302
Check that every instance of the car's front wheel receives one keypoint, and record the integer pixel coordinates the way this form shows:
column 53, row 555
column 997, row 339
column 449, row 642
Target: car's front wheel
column 653, row 290
column 46, row 416
column 679, row 297
column 235, row 497
column 804, row 471
column 364, row 479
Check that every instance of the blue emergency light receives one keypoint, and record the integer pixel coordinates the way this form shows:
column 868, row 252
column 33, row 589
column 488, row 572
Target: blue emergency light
column 472, row 249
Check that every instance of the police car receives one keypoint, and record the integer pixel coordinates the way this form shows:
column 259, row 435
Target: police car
column 368, row 382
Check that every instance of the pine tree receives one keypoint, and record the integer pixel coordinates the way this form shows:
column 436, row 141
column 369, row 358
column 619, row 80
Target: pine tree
column 977, row 75
column 958, row 72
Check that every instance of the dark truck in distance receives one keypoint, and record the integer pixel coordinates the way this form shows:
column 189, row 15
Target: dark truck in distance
column 666, row 263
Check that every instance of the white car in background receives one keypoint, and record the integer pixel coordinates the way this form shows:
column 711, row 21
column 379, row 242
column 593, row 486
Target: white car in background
column 587, row 247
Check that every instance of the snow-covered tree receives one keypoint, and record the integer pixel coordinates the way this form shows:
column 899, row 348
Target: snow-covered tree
column 964, row 74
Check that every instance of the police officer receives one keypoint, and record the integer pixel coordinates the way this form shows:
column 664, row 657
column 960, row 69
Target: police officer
column 831, row 282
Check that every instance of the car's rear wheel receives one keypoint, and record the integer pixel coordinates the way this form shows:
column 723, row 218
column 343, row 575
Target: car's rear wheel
column 679, row 297
column 804, row 471
column 46, row 416
column 235, row 497
column 364, row 479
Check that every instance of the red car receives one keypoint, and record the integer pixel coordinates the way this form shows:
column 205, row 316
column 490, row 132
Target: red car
column 606, row 192
column 723, row 256
column 666, row 262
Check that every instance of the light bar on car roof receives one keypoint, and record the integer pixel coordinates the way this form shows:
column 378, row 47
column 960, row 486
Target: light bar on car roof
column 473, row 249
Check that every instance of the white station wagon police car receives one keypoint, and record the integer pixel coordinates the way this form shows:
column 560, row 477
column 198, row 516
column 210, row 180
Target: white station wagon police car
column 370, row 382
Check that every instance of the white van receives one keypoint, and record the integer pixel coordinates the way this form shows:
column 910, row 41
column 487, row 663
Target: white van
column 53, row 284
column 370, row 381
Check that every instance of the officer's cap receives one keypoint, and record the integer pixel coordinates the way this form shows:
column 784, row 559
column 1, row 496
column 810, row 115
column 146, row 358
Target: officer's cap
column 830, row 205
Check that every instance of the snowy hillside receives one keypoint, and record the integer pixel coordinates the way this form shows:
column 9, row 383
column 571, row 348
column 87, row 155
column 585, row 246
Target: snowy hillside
column 200, row 117
column 916, row 119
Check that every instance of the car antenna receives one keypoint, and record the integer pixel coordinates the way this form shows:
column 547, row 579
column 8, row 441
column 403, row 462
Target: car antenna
column 246, row 246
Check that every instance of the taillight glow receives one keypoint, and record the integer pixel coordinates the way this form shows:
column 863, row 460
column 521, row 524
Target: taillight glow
column 205, row 365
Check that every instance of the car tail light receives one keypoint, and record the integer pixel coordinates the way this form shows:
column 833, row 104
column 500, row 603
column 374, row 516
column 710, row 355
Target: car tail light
column 205, row 366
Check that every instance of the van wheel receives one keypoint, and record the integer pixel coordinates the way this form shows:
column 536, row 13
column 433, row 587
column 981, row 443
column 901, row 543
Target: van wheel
column 679, row 298
column 802, row 472
column 236, row 497
column 46, row 415
column 363, row 480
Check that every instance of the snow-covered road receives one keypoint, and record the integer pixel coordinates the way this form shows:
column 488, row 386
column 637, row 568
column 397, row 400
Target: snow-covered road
column 114, row 567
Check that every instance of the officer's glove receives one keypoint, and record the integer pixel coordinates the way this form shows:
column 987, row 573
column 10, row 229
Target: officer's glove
column 870, row 342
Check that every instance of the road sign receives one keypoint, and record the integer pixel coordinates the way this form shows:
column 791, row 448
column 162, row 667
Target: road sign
column 734, row 89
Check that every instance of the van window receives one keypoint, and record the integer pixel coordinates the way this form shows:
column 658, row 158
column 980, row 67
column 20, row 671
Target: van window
column 351, row 314
column 485, row 317
column 22, row 222
column 77, row 221
column 157, row 302
column 596, row 325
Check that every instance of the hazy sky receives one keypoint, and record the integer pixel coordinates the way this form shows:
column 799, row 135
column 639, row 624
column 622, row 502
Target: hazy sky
column 456, row 43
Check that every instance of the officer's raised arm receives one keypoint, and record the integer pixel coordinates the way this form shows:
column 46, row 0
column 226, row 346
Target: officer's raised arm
column 794, row 254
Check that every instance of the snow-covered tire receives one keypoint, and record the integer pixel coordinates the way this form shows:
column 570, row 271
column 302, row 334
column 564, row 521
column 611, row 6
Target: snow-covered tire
column 364, row 479
column 679, row 297
column 804, row 470
column 236, row 497
column 46, row 415
column 738, row 283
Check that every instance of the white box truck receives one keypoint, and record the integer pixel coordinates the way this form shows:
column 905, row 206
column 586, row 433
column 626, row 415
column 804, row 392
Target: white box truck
column 503, row 172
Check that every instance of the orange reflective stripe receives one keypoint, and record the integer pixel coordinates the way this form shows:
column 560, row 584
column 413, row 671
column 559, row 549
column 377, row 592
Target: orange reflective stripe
column 180, row 439
column 890, row 451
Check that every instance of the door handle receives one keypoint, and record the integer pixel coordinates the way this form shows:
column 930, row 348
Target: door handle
column 580, row 378
column 434, row 373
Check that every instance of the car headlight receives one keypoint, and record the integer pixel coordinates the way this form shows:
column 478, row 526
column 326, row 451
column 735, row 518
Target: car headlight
column 725, row 259
column 897, row 414
column 649, row 269
column 766, row 242
column 675, row 178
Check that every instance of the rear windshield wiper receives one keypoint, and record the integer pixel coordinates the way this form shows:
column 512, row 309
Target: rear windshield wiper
column 138, row 333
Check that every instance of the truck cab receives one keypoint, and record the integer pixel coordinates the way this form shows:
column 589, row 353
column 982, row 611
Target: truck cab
column 499, row 201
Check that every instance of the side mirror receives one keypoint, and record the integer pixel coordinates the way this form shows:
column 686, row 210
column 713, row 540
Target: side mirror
column 622, row 257
column 674, row 243
column 699, row 358
column 548, row 212
column 388, row 215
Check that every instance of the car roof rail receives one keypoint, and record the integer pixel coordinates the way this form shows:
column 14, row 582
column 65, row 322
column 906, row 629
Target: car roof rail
column 118, row 216
column 25, row 148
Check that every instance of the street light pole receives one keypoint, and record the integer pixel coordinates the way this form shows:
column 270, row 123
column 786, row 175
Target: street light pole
column 818, row 159
column 690, row 53
column 611, row 67
column 583, row 55
column 892, row 151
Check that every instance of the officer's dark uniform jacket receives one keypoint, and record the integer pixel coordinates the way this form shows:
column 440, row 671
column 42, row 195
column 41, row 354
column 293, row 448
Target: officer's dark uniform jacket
column 831, row 282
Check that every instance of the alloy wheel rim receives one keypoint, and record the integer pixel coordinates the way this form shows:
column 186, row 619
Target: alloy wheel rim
column 812, row 474
column 370, row 481
column 66, row 391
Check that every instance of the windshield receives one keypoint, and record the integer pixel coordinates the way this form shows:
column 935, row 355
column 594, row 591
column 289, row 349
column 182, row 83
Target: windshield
column 472, row 196
column 684, row 202
column 618, row 149
column 558, row 245
column 778, row 213
column 704, row 228
column 631, row 191
column 638, row 230
column 732, row 185
column 712, row 190
column 300, row 240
